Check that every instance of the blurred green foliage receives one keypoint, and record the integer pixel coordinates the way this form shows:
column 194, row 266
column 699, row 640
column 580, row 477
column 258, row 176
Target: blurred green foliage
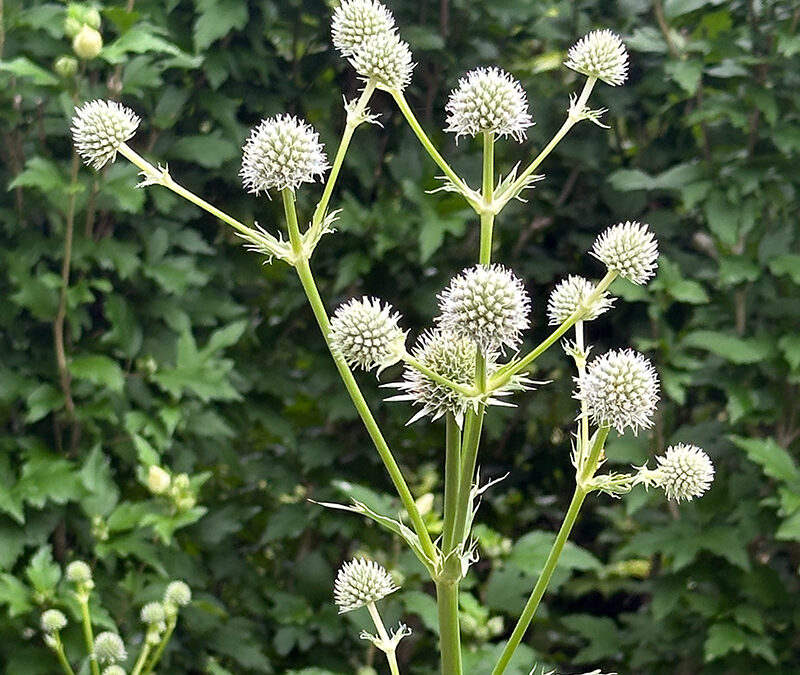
column 181, row 349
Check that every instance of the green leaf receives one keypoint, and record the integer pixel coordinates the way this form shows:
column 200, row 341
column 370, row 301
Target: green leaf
column 722, row 218
column 43, row 174
column 216, row 19
column 103, row 493
column 788, row 264
column 424, row 606
column 734, row 349
column 775, row 461
column 530, row 552
column 43, row 573
column 686, row 73
column 790, row 347
column 98, row 369
column 15, row 594
column 210, row 151
column 24, row 67
column 41, row 401
column 722, row 639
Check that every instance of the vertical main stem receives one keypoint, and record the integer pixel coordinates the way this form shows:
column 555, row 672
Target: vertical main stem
column 88, row 636
column 452, row 471
column 171, row 623
column 487, row 190
column 449, row 630
column 318, row 308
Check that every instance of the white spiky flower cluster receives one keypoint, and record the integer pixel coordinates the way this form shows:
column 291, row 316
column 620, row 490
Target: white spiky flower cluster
column 109, row 648
column 281, row 152
column 359, row 583
column 620, row 389
column 385, row 59
column 488, row 99
column 177, row 594
column 569, row 295
column 100, row 128
column 152, row 613
column 600, row 54
column 354, row 21
column 683, row 472
column 629, row 249
column 365, row 333
column 53, row 620
column 487, row 304
column 114, row 670
column 78, row 572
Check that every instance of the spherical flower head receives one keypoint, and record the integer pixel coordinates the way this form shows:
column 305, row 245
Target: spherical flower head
column 365, row 333
column 100, row 128
column 569, row 296
column 488, row 99
column 114, row 670
column 282, row 152
column 158, row 480
column 354, row 21
column 385, row 59
column 684, row 472
column 87, row 43
column 359, row 583
column 78, row 572
column 178, row 594
column 53, row 620
column 487, row 304
column 629, row 249
column 109, row 648
column 620, row 389
column 600, row 54
column 152, row 613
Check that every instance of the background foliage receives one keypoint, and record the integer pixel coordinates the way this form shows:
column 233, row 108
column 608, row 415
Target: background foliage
column 181, row 349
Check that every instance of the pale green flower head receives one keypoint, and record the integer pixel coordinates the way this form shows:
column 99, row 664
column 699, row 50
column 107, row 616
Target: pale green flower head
column 620, row 389
column 354, row 21
column 100, row 128
column 109, row 648
column 281, row 152
column 365, row 334
column 600, row 54
column 567, row 297
column 629, row 249
column 385, row 59
column 152, row 613
column 177, row 594
column 53, row 620
column 487, row 304
column 488, row 99
column 114, row 670
column 684, row 472
column 78, row 572
column 361, row 582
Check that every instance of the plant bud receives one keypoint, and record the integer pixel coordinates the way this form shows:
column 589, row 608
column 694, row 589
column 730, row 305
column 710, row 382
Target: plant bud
column 158, row 480
column 53, row 620
column 66, row 66
column 361, row 582
column 87, row 43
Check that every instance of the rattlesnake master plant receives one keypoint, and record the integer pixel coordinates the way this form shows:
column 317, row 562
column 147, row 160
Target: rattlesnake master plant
column 471, row 356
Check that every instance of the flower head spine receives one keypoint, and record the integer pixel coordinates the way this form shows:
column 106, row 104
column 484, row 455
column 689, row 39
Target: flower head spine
column 281, row 152
column 100, row 129
column 361, row 582
column 620, row 389
column 488, row 99
column 629, row 249
column 600, row 54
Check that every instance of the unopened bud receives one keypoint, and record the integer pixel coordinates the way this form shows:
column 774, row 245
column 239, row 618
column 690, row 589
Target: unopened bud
column 66, row 66
column 87, row 43
column 158, row 480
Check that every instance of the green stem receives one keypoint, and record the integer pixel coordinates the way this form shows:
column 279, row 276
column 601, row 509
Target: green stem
column 354, row 119
column 555, row 553
column 460, row 388
column 146, row 647
column 452, row 470
column 487, row 190
column 584, row 418
column 504, row 374
column 449, row 630
column 62, row 657
column 391, row 657
column 317, row 306
column 462, row 187
column 171, row 622
column 166, row 180
column 563, row 131
column 88, row 636
column 469, row 458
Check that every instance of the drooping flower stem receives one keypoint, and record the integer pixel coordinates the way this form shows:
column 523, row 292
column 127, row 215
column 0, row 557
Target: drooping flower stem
column 354, row 118
column 555, row 552
column 320, row 314
column 449, row 630
column 391, row 656
column 570, row 122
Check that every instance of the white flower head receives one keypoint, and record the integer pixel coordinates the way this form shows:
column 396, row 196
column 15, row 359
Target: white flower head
column 153, row 613
column 365, row 333
column 684, row 472
column 114, row 670
column 488, row 99
column 620, row 389
column 600, row 54
column 282, row 152
column 629, row 249
column 78, row 572
column 53, row 620
column 569, row 295
column 354, row 21
column 487, row 304
column 385, row 59
column 177, row 594
column 100, row 128
column 359, row 583
column 109, row 648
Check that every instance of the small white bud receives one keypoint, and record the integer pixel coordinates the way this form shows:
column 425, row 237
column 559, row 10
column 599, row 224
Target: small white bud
column 177, row 594
column 78, row 572
column 152, row 613
column 359, row 583
column 53, row 620
column 600, row 54
column 629, row 249
column 683, row 472
column 158, row 480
